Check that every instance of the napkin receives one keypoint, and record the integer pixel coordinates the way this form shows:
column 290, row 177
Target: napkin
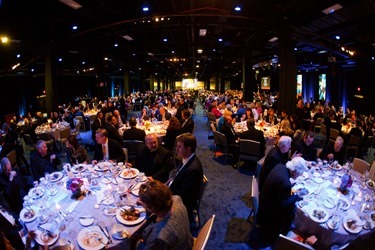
column 72, row 206
column 60, row 196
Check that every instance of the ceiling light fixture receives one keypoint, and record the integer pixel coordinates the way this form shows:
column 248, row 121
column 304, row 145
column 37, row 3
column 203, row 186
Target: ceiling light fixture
column 72, row 4
column 332, row 9
column 273, row 39
column 200, row 51
column 202, row 32
column 129, row 38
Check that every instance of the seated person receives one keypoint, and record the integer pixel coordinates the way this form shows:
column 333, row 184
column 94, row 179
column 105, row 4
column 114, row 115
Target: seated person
column 334, row 151
column 173, row 130
column 254, row 134
column 154, row 160
column 168, row 224
column 228, row 130
column 186, row 180
column 271, row 117
column 111, row 127
column 305, row 146
column 107, row 149
column 276, row 201
column 134, row 133
column 187, row 124
column 75, row 153
column 12, row 184
column 278, row 154
column 42, row 160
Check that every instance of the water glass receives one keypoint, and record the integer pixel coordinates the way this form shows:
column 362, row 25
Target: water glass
column 335, row 220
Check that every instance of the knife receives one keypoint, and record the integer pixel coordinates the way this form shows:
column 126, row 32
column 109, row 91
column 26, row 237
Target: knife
column 109, row 235
column 105, row 234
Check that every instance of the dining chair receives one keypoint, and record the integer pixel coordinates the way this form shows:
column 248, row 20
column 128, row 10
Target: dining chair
column 12, row 158
column 29, row 144
column 81, row 121
column 134, row 147
column 64, row 134
column 220, row 142
column 353, row 145
column 203, row 235
column 283, row 242
column 126, row 154
column 369, row 144
column 249, row 150
column 260, row 164
column 48, row 138
column 318, row 125
column 360, row 165
column 201, row 193
column 333, row 133
column 255, row 201
column 372, row 171
column 92, row 119
column 77, row 131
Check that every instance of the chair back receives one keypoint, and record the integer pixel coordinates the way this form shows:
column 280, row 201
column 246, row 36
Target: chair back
column 81, row 121
column 333, row 133
column 249, row 150
column 126, row 154
column 134, row 147
column 12, row 158
column 220, row 141
column 201, row 193
column 372, row 171
column 202, row 238
column 323, row 129
column 360, row 165
column 254, row 199
column 260, row 164
column 354, row 140
column 64, row 133
column 211, row 117
column 283, row 242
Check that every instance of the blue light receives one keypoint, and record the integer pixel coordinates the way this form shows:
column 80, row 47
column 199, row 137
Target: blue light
column 18, row 55
column 145, row 9
column 60, row 59
column 165, row 40
column 116, row 45
column 75, row 27
column 237, row 8
column 338, row 37
column 220, row 39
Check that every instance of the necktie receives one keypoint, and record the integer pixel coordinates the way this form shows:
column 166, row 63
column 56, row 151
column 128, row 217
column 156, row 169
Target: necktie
column 174, row 173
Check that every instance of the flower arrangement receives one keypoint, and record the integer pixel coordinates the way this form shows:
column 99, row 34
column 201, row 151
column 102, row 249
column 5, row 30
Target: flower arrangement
column 74, row 184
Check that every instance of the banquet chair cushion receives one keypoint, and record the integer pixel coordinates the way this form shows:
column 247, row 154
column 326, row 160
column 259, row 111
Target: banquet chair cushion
column 283, row 242
column 202, row 238
column 360, row 165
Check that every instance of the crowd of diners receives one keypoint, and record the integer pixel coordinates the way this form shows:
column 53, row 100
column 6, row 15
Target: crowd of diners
column 173, row 175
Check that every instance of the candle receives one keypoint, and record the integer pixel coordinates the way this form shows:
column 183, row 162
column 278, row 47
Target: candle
column 58, row 207
column 96, row 206
column 109, row 186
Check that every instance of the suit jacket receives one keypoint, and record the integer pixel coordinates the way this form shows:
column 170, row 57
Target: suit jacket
column 273, row 158
column 188, row 126
column 255, row 135
column 95, row 125
column 14, row 191
column 10, row 231
column 276, row 203
column 187, row 184
column 157, row 164
column 113, row 133
column 160, row 117
column 229, row 133
column 115, row 151
column 134, row 134
column 39, row 165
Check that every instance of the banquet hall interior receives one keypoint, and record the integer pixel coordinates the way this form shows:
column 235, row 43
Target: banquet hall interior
column 58, row 54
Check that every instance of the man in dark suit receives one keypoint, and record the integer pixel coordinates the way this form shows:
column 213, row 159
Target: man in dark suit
column 107, row 149
column 254, row 134
column 278, row 154
column 228, row 130
column 305, row 146
column 42, row 160
column 133, row 133
column 276, row 203
column 163, row 114
column 186, row 180
column 110, row 126
column 154, row 159
column 187, row 124
column 98, row 123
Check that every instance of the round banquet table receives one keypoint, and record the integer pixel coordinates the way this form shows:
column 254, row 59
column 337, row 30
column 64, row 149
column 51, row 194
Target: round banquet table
column 60, row 204
column 322, row 183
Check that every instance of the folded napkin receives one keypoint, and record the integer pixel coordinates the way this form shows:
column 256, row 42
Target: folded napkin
column 72, row 206
column 60, row 196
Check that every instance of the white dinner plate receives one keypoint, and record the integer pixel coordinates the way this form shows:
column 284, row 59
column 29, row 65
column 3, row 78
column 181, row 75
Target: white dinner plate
column 36, row 192
column 78, row 168
column 91, row 238
column 121, row 219
column 319, row 215
column 56, row 176
column 352, row 224
column 135, row 189
column 129, row 173
column 102, row 166
column 318, row 180
column 337, row 167
column 27, row 215
column 42, row 238
column 86, row 221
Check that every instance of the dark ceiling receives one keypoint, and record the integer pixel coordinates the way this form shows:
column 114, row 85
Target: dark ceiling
column 35, row 26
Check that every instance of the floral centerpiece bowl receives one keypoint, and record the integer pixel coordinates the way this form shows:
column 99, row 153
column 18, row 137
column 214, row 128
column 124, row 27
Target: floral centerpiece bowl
column 74, row 185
